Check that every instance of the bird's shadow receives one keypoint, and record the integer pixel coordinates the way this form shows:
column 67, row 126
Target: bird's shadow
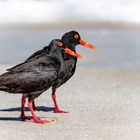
column 41, row 108
column 9, row 119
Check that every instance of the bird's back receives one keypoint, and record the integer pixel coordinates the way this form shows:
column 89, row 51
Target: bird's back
column 30, row 75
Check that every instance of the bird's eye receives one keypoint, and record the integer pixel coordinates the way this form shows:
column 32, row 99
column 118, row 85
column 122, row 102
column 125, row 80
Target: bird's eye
column 60, row 44
column 76, row 36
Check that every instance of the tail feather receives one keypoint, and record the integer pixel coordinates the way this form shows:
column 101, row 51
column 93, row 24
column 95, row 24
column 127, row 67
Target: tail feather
column 4, row 80
column 4, row 88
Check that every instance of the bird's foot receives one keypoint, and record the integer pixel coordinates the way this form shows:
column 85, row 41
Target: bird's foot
column 37, row 120
column 59, row 111
column 26, row 119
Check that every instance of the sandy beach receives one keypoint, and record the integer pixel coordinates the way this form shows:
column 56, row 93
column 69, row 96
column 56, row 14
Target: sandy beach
column 103, row 105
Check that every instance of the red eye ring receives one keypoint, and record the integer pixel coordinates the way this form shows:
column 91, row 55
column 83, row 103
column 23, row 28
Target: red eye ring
column 60, row 44
column 76, row 36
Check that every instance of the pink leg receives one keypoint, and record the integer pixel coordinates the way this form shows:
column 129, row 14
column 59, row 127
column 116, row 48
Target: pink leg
column 22, row 116
column 35, row 118
column 56, row 110
column 34, row 106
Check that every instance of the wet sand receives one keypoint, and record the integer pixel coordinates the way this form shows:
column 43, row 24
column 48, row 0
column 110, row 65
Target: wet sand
column 103, row 105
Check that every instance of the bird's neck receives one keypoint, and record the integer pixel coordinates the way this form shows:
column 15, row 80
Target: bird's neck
column 72, row 47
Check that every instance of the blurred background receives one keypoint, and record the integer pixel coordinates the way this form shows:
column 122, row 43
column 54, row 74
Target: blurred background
column 113, row 26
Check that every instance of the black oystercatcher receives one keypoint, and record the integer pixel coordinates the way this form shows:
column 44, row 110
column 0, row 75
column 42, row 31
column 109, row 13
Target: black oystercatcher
column 32, row 77
column 71, row 39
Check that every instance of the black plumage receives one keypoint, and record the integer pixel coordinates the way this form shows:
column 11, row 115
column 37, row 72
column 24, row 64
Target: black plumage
column 32, row 77
column 71, row 40
column 41, row 71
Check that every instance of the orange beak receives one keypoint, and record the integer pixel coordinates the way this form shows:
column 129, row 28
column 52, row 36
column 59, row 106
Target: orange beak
column 84, row 43
column 68, row 51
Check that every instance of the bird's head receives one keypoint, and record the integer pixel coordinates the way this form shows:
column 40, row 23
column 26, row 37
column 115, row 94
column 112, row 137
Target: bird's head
column 57, row 44
column 72, row 38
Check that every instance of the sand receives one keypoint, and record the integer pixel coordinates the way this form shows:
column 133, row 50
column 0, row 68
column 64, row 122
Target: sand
column 103, row 104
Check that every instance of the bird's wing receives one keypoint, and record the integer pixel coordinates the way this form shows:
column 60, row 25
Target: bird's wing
column 27, row 82
column 38, row 53
column 34, row 56
column 44, row 63
column 30, row 76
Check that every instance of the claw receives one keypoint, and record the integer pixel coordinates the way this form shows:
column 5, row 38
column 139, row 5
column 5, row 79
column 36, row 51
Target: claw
column 46, row 121
column 59, row 111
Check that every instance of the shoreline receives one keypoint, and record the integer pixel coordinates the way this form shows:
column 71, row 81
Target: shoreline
column 63, row 25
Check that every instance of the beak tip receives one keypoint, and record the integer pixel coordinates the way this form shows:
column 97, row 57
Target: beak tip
column 84, row 43
column 81, row 57
column 94, row 48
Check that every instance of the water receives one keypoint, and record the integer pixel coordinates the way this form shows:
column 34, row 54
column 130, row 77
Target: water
column 115, row 48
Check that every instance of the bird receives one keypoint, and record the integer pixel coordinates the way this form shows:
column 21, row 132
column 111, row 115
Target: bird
column 71, row 39
column 35, row 75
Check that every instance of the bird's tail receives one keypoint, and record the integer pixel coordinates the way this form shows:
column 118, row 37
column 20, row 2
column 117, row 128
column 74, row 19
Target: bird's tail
column 3, row 82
